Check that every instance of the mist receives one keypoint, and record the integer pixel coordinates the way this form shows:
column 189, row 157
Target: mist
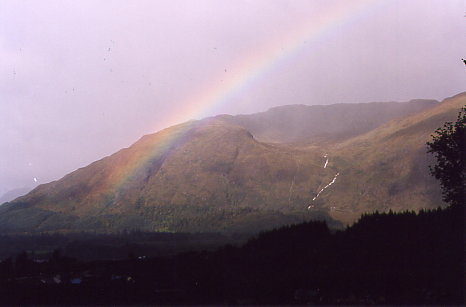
column 80, row 80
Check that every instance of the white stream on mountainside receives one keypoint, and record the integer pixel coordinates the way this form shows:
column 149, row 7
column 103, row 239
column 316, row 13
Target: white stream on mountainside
column 327, row 186
column 332, row 208
column 326, row 162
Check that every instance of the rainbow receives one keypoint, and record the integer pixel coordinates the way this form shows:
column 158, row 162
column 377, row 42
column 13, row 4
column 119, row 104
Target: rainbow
column 242, row 75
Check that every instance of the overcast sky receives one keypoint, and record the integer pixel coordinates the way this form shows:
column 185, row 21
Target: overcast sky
column 82, row 79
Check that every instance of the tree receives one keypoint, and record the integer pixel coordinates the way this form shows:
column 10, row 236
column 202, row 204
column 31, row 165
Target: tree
column 449, row 147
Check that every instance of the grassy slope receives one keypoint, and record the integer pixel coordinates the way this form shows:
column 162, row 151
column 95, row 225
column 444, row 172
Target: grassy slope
column 388, row 167
column 215, row 176
column 211, row 175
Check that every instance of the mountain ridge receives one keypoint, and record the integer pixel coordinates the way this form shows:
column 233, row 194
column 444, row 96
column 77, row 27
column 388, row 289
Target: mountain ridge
column 216, row 175
column 317, row 123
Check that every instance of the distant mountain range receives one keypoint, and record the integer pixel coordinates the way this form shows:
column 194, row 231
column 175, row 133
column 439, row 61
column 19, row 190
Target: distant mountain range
column 14, row 193
column 250, row 172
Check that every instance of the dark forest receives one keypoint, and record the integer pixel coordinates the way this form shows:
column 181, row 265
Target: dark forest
column 384, row 258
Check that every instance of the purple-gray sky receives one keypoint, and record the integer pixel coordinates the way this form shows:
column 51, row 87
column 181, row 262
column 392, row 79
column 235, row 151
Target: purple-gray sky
column 82, row 79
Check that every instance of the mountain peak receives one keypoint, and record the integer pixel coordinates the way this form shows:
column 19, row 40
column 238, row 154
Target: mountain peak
column 246, row 172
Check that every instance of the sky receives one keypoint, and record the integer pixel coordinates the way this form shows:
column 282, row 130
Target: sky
column 80, row 80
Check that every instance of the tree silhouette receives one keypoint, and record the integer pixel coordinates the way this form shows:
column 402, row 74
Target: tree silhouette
column 449, row 147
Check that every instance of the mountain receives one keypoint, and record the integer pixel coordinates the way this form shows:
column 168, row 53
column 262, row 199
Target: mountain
column 323, row 123
column 387, row 168
column 14, row 193
column 218, row 174
column 205, row 175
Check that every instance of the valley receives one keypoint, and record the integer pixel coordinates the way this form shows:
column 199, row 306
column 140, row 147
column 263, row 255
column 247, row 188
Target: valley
column 232, row 153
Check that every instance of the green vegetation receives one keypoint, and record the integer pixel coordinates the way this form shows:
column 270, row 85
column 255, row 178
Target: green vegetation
column 116, row 246
column 385, row 258
column 213, row 175
column 449, row 147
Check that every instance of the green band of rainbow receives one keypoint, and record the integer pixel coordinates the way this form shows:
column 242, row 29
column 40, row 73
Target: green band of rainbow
column 252, row 67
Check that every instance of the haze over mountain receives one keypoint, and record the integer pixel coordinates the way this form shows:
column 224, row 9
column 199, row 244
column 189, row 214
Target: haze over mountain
column 302, row 123
column 15, row 193
column 81, row 79
column 216, row 175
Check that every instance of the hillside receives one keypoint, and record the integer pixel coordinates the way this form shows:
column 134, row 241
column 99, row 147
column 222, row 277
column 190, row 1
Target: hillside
column 13, row 194
column 324, row 123
column 205, row 175
column 387, row 168
column 215, row 174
